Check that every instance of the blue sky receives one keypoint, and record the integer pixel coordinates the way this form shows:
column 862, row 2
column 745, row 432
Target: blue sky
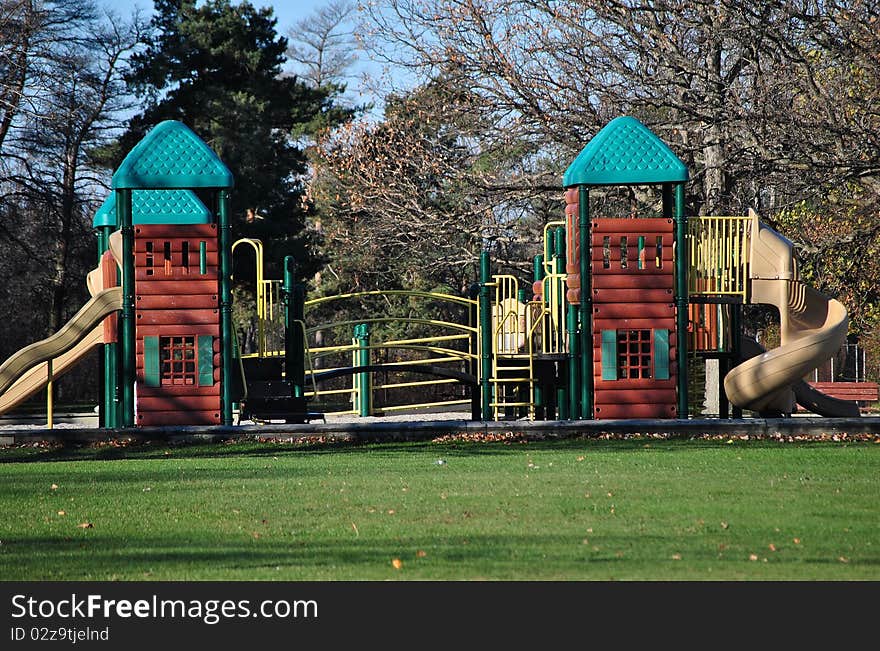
column 288, row 13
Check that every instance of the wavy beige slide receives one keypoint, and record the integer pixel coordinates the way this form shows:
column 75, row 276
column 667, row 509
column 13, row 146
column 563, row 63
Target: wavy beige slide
column 27, row 371
column 813, row 327
column 806, row 396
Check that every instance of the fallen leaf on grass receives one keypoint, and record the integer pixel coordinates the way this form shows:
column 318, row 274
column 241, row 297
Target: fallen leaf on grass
column 771, row 547
column 753, row 557
column 62, row 513
column 54, row 487
column 396, row 563
column 724, row 525
column 390, row 511
column 581, row 458
column 796, row 541
column 421, row 553
column 843, row 559
column 676, row 557
column 256, row 534
column 86, row 525
column 355, row 527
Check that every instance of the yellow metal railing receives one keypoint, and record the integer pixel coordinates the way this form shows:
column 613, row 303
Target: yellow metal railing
column 270, row 309
column 549, row 316
column 436, row 349
column 548, row 255
column 718, row 250
column 512, row 352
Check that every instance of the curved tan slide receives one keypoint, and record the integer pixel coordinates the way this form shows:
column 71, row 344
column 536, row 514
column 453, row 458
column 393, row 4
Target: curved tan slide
column 811, row 399
column 813, row 327
column 27, row 371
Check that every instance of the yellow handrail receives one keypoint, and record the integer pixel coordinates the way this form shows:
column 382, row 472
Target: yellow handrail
column 392, row 292
column 257, row 246
column 548, row 259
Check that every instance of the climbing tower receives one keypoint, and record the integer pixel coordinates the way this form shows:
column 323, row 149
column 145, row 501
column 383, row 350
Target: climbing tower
column 176, row 319
column 627, row 278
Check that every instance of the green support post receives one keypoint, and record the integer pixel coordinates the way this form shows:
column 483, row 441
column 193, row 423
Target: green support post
column 127, row 316
column 109, row 407
column 574, row 369
column 226, row 332
column 586, row 306
column 485, row 338
column 538, row 267
column 550, row 244
column 681, row 300
column 563, row 390
column 365, row 390
column 294, row 351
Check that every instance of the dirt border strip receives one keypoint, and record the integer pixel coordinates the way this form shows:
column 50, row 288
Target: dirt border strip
column 820, row 428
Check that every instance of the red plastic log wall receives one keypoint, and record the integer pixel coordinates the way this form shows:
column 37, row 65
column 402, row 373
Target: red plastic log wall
column 174, row 299
column 632, row 287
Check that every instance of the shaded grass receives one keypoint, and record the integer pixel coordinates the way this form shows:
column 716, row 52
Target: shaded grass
column 562, row 510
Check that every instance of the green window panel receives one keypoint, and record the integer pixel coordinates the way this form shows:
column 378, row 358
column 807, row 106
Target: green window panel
column 206, row 360
column 661, row 354
column 152, row 373
column 609, row 354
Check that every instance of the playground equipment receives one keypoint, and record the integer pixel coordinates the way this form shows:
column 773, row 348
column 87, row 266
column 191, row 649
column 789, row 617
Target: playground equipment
column 165, row 355
column 616, row 307
column 813, row 328
column 606, row 334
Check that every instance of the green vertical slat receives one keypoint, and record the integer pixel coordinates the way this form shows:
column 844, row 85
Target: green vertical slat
column 206, row 360
column 151, row 362
column 661, row 354
column 609, row 354
column 203, row 258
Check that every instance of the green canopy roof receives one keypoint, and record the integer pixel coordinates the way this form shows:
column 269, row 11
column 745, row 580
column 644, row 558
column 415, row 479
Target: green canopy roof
column 625, row 152
column 171, row 156
column 156, row 207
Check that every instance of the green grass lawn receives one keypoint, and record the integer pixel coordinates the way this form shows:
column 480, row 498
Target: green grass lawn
column 547, row 510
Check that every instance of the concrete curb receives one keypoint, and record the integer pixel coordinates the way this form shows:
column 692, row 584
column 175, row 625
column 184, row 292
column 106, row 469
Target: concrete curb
column 427, row 430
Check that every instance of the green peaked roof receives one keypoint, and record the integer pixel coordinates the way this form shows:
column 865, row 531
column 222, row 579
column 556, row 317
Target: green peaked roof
column 625, row 152
column 171, row 156
column 156, row 207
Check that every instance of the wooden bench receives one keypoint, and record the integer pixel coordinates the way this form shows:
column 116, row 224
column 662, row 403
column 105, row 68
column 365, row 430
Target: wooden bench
column 863, row 392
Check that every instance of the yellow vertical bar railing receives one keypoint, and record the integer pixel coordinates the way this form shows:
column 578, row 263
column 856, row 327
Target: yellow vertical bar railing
column 718, row 248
